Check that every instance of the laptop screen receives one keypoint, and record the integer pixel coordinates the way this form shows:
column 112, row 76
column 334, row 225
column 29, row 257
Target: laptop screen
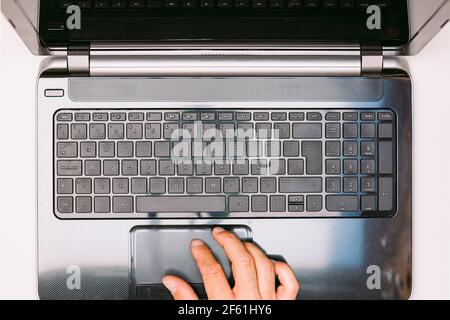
column 336, row 21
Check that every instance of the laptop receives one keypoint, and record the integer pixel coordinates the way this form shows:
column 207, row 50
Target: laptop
column 288, row 122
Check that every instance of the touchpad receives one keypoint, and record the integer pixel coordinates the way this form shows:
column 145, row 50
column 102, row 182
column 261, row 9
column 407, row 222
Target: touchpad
column 160, row 251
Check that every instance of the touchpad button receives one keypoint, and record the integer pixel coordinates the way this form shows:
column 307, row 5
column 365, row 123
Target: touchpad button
column 160, row 251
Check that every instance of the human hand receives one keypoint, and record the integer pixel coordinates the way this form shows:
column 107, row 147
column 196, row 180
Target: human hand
column 254, row 273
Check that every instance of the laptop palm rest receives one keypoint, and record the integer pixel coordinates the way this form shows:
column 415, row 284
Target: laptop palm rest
column 160, row 251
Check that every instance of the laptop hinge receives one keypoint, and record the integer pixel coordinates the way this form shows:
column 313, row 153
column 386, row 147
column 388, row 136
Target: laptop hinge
column 78, row 60
column 372, row 61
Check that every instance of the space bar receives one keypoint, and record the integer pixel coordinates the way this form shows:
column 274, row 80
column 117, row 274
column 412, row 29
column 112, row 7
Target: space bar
column 180, row 204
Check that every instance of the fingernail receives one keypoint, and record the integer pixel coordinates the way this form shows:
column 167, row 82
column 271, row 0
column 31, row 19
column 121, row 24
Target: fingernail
column 218, row 230
column 169, row 285
column 197, row 243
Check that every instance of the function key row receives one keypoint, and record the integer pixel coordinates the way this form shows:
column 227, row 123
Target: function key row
column 258, row 4
column 224, row 116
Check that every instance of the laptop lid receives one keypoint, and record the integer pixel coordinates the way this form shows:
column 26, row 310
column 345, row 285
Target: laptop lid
column 400, row 27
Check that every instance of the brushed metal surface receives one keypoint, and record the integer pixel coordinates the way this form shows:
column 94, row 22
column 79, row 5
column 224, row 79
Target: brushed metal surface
column 329, row 256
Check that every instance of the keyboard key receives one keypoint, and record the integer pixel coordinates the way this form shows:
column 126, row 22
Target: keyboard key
column 143, row 149
column 213, row 185
column 337, row 203
column 368, row 131
column 333, row 167
column 368, row 203
column 277, row 203
column 111, row 167
column 148, row 167
column 125, row 149
column 88, row 149
column 300, row 185
column 129, row 167
column 333, row 116
column 259, row 203
column 157, row 185
column 350, row 116
column 350, row 167
column 153, row 131
column 367, row 116
column 295, row 167
column 172, row 116
column 282, row 130
column 120, row 186
column 279, row 116
column 162, row 149
column 368, row 166
column 297, row 116
column 243, row 116
column 134, row 131
column 333, row 148
column 242, row 3
column 92, row 167
column 136, row 116
column 65, row 186
column 67, row 149
column 83, row 205
column 174, row 204
column 249, row 185
column 350, row 185
column 65, row 204
column 314, row 116
column 268, row 185
column 102, row 205
column 118, row 116
column 102, row 186
column 350, row 149
column 238, row 203
column 231, row 185
column 69, row 168
column 100, row 117
column 333, row 130
column 291, row 148
column 385, row 116
column 350, row 130
column 62, row 131
column 139, row 186
column 194, row 185
column 82, row 116
column 166, row 168
column 261, row 116
column 190, row 116
column 79, row 131
column 154, row 116
column 312, row 151
column 333, row 185
column 176, row 185
column 313, row 203
column 307, row 131
column 123, row 204
column 385, row 194
column 277, row 167
column 64, row 117
column 368, row 148
column 385, row 131
column 385, row 157
column 368, row 184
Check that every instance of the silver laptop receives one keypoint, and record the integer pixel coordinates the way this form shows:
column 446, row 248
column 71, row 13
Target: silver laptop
column 289, row 122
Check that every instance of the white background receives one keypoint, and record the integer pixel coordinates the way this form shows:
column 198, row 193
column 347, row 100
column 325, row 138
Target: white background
column 431, row 246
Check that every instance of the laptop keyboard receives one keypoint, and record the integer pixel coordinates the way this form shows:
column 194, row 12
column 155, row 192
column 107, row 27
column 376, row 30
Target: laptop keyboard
column 224, row 163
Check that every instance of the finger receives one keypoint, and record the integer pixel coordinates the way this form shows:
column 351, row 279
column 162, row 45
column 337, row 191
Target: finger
column 289, row 285
column 242, row 264
column 179, row 288
column 216, row 283
column 265, row 271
